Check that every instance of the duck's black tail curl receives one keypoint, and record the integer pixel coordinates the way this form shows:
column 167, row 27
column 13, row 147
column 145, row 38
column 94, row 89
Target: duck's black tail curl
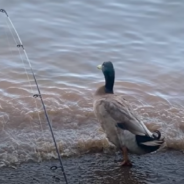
column 150, row 144
column 157, row 134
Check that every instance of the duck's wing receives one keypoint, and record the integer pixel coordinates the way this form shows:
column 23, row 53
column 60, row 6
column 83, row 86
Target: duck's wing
column 121, row 112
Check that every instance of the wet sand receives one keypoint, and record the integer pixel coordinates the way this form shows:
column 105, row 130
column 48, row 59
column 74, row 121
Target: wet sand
column 164, row 167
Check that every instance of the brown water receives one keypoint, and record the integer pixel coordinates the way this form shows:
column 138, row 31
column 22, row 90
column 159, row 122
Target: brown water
column 65, row 41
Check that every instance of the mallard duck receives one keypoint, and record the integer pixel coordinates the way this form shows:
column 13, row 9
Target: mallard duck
column 119, row 122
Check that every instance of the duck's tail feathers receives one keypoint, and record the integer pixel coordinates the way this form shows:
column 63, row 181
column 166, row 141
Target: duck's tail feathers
column 148, row 143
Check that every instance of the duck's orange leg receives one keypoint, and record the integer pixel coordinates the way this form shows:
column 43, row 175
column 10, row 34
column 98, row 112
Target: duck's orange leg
column 126, row 161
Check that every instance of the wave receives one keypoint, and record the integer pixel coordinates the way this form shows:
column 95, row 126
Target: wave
column 25, row 135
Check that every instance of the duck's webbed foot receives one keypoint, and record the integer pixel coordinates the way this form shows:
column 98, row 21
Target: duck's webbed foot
column 126, row 161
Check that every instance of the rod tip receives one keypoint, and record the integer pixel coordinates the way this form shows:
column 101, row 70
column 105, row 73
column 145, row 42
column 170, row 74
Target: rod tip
column 4, row 11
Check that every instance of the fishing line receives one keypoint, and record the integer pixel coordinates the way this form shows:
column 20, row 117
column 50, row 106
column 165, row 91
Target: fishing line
column 20, row 45
column 8, row 41
column 35, row 95
column 30, row 84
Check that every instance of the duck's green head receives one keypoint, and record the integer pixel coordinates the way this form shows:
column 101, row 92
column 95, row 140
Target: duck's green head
column 109, row 74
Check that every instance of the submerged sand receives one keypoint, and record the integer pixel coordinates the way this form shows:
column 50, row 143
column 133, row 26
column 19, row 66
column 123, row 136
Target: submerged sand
column 99, row 168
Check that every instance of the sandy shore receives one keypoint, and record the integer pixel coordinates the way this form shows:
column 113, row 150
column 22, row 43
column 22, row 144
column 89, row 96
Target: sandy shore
column 99, row 168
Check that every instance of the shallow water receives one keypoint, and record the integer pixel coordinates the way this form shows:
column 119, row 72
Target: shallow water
column 65, row 41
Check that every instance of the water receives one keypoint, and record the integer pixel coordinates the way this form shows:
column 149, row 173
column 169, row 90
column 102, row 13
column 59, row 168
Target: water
column 65, row 41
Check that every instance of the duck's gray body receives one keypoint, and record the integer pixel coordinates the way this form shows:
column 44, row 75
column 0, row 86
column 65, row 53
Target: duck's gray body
column 112, row 110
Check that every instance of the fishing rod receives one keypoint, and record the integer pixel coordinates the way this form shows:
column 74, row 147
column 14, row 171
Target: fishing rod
column 20, row 45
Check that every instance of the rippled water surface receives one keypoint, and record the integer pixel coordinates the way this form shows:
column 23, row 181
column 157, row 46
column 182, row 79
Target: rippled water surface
column 65, row 41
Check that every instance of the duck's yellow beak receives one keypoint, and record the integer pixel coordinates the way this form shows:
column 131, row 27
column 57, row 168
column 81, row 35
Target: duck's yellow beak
column 99, row 67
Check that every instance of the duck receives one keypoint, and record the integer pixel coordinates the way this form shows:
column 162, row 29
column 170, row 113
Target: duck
column 119, row 122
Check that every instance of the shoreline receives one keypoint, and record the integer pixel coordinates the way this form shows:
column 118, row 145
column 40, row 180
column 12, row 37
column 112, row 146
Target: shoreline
column 164, row 167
